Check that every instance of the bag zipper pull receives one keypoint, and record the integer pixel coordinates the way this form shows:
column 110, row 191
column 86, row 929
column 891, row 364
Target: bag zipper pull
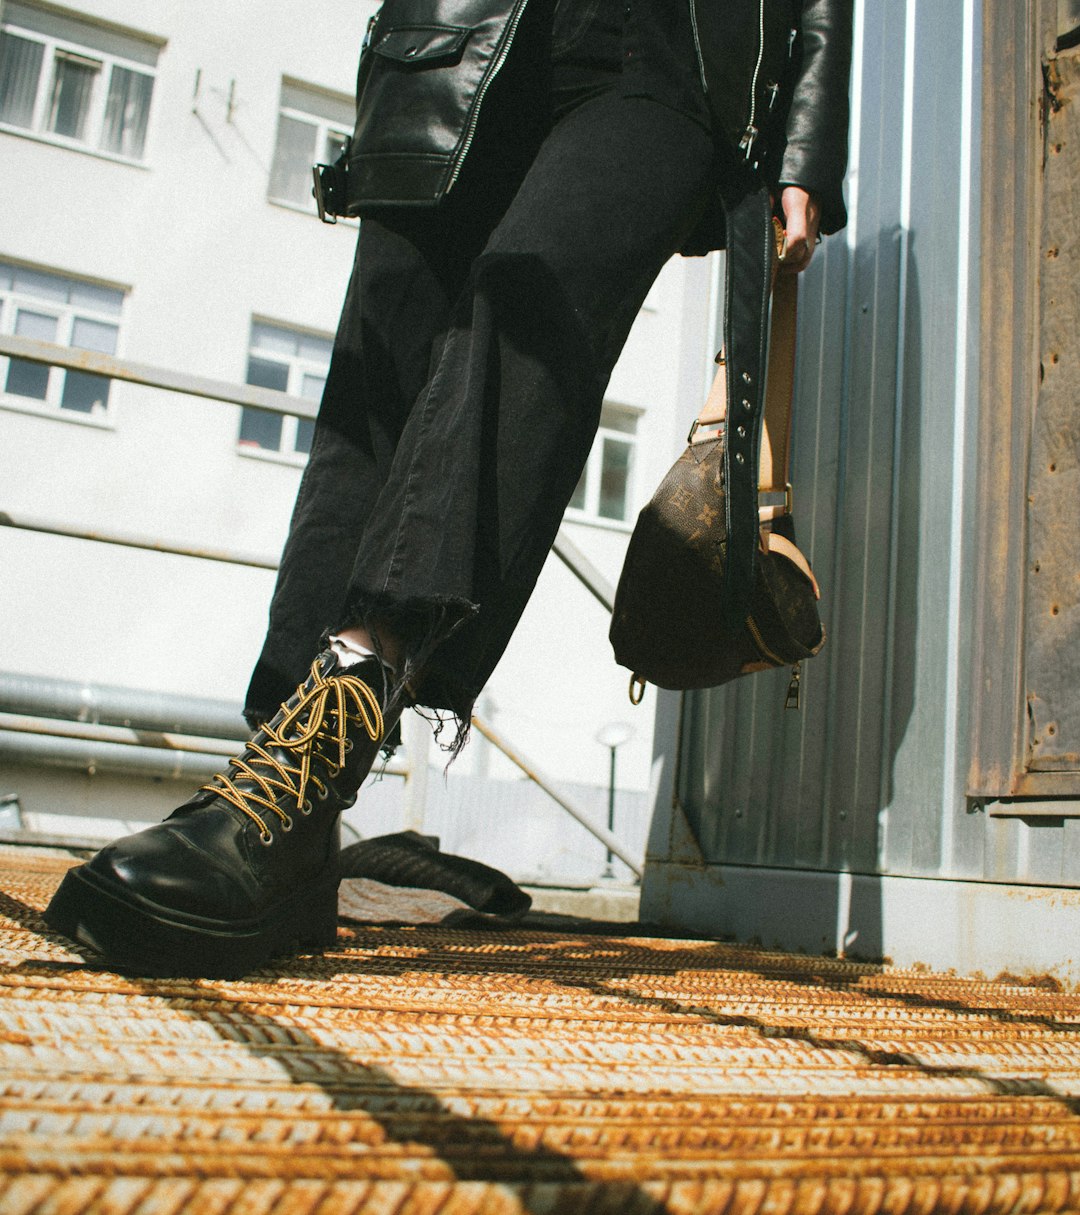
column 794, row 691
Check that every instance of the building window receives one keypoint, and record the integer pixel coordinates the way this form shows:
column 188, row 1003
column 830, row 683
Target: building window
column 51, row 308
column 604, row 491
column 291, row 361
column 75, row 83
column 313, row 128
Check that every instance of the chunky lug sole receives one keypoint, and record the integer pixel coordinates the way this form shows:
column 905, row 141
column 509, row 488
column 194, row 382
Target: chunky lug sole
column 144, row 938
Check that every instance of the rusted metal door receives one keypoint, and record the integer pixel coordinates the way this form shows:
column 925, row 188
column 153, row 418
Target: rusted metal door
column 1052, row 598
column 1025, row 694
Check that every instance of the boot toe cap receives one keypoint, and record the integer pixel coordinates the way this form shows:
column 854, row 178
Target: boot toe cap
column 163, row 866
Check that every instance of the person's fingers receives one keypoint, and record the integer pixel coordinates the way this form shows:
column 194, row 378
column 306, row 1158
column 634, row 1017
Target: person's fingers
column 802, row 218
column 798, row 258
column 797, row 255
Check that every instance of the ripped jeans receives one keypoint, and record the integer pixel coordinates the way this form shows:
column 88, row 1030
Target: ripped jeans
column 470, row 365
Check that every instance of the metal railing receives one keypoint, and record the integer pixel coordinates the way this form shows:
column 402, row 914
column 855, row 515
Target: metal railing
column 155, row 377
column 62, row 725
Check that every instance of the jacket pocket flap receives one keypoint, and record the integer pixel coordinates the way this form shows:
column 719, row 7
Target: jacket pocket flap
column 425, row 44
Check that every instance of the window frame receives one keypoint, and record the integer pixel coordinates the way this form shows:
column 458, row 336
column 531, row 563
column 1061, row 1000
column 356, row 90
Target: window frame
column 324, row 127
column 56, row 48
column 66, row 314
column 298, row 366
column 592, row 474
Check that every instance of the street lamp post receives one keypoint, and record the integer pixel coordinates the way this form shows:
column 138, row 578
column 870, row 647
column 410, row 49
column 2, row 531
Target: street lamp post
column 612, row 736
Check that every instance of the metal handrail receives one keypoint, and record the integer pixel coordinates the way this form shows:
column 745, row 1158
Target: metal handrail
column 564, row 548
column 533, row 773
column 231, row 394
column 156, row 377
column 221, row 749
column 125, row 736
column 53, row 527
column 277, row 402
column 584, row 571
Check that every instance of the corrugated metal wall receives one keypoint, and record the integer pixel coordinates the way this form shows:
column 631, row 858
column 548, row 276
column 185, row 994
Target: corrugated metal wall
column 869, row 775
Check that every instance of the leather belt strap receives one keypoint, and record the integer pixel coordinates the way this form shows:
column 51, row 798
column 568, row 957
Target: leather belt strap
column 774, row 457
column 758, row 425
column 773, row 465
column 750, row 255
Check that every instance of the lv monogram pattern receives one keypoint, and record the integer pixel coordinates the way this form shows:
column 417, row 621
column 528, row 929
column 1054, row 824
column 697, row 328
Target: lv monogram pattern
column 693, row 493
column 669, row 608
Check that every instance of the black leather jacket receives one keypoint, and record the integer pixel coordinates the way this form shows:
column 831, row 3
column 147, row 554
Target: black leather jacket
column 776, row 74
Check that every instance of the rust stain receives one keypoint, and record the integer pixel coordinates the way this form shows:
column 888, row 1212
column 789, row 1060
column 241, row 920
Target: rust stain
column 439, row 1070
column 1056, row 93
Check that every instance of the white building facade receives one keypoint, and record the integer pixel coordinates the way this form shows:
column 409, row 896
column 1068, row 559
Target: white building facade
column 155, row 203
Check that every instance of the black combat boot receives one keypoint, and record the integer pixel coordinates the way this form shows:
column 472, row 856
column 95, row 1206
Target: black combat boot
column 247, row 869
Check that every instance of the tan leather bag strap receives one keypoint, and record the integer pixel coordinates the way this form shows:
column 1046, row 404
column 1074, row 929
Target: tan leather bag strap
column 775, row 453
column 774, row 542
column 775, row 450
column 714, row 411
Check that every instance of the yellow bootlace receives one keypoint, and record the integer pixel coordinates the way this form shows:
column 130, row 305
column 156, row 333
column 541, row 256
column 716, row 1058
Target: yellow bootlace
column 343, row 697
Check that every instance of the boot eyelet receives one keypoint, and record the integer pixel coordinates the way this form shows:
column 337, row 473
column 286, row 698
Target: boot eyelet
column 323, row 792
column 349, row 744
column 307, row 807
column 286, row 824
column 265, row 838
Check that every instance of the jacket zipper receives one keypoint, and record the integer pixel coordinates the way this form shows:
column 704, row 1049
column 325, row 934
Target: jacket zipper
column 751, row 133
column 697, row 46
column 485, row 84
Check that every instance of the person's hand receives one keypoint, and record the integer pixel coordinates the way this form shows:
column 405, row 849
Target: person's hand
column 802, row 217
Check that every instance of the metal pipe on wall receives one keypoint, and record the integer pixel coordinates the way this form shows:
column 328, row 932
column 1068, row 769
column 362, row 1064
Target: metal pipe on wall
column 108, row 705
column 106, row 758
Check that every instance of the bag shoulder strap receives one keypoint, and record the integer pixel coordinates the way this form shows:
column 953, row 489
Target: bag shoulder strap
column 774, row 453
column 774, row 456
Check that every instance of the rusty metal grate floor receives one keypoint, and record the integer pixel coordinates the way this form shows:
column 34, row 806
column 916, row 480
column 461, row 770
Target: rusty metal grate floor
column 430, row 1070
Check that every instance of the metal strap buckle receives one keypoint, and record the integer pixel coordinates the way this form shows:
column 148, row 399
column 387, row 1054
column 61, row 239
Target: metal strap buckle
column 717, row 428
column 324, row 192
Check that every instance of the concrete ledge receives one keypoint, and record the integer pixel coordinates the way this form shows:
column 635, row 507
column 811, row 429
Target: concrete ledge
column 968, row 927
column 616, row 904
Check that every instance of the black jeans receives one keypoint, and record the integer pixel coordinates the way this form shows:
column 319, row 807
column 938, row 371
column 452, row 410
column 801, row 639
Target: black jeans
column 470, row 365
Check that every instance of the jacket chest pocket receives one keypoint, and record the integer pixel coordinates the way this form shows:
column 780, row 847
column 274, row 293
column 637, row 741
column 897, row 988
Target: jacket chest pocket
column 422, row 45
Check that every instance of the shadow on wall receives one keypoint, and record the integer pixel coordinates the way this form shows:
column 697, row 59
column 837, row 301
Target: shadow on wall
column 790, row 804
